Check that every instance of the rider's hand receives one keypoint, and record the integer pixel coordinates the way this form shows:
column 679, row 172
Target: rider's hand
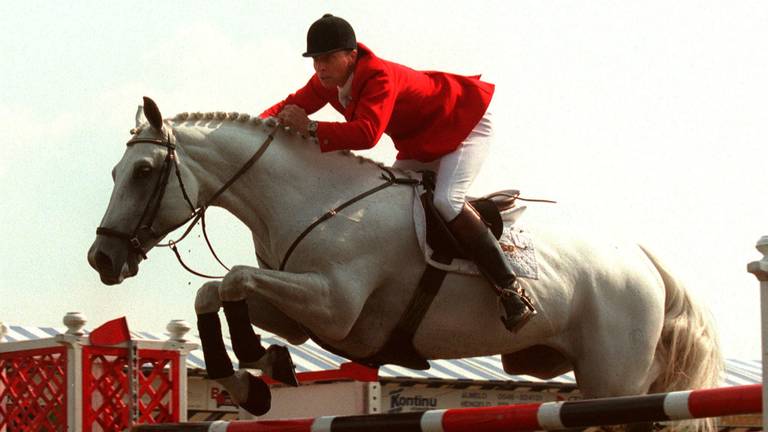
column 294, row 117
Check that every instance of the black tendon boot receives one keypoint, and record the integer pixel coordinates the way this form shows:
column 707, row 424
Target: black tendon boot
column 275, row 361
column 218, row 365
column 479, row 243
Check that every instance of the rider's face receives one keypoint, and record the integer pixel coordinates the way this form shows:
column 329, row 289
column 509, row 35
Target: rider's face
column 334, row 69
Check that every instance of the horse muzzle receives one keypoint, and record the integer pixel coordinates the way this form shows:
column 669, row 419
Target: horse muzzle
column 113, row 259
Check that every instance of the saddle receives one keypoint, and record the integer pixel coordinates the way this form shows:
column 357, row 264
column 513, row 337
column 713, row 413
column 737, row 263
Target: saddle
column 439, row 237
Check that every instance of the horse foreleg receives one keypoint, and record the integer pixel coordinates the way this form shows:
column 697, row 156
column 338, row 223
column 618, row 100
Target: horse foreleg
column 303, row 297
column 275, row 361
column 246, row 390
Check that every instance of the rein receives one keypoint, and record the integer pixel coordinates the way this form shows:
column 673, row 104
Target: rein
column 200, row 213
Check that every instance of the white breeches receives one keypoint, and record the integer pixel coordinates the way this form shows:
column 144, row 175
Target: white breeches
column 457, row 170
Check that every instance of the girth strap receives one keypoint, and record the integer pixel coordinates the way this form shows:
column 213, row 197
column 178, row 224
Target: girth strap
column 399, row 349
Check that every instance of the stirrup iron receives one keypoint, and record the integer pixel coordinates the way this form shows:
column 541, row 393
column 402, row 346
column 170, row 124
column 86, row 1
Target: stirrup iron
column 515, row 322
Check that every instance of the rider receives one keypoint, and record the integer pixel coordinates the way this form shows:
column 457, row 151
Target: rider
column 437, row 121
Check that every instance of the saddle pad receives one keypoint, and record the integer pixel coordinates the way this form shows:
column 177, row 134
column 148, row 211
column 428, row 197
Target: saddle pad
column 516, row 243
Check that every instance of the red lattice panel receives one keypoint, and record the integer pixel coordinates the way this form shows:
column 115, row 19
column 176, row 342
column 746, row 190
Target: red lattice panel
column 158, row 390
column 106, row 395
column 33, row 390
column 105, row 379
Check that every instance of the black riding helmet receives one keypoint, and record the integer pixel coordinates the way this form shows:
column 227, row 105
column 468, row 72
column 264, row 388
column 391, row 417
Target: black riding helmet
column 329, row 34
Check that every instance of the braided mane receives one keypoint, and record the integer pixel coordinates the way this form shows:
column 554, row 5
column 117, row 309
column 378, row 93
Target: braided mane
column 247, row 119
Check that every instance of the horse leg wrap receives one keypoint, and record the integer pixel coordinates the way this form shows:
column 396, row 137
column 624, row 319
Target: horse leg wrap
column 245, row 343
column 217, row 362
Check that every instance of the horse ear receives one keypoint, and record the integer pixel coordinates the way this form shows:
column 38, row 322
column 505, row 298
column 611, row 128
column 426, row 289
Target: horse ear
column 152, row 112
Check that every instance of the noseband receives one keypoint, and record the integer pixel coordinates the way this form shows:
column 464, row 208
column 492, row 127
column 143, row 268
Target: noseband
column 143, row 232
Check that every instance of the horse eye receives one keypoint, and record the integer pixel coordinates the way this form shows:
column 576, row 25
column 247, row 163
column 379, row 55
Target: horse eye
column 142, row 171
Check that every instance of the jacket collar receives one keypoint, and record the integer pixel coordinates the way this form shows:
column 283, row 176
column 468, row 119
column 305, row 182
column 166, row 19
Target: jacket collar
column 364, row 50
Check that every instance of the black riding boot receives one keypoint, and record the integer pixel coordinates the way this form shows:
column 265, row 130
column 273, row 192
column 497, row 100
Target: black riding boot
column 480, row 244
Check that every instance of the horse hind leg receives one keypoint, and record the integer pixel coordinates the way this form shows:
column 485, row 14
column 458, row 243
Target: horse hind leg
column 615, row 371
column 616, row 366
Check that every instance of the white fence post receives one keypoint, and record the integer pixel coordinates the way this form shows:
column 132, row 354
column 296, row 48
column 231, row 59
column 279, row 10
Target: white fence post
column 73, row 339
column 177, row 330
column 3, row 332
column 760, row 270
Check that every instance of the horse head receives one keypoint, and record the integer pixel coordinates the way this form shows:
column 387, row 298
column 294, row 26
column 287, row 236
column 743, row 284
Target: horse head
column 153, row 194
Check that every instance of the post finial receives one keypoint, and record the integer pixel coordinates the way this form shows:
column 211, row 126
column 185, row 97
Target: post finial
column 762, row 246
column 178, row 328
column 75, row 321
column 760, row 268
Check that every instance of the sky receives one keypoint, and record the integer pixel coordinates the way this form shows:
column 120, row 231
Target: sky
column 648, row 120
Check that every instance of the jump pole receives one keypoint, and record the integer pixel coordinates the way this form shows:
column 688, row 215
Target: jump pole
column 682, row 405
column 760, row 270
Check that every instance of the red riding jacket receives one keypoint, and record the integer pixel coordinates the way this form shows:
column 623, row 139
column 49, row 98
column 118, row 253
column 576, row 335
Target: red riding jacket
column 427, row 114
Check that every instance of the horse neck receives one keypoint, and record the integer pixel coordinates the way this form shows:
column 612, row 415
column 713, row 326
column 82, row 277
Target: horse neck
column 289, row 187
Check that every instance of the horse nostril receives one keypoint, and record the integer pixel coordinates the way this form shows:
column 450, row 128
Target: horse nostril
column 103, row 262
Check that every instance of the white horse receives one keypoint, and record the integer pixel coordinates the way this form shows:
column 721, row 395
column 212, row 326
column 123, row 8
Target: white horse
column 609, row 311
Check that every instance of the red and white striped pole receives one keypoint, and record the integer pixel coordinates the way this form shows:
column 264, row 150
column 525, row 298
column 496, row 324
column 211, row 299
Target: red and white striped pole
column 760, row 270
column 681, row 405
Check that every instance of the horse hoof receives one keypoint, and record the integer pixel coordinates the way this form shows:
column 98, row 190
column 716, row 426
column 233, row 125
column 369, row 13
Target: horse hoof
column 283, row 369
column 259, row 397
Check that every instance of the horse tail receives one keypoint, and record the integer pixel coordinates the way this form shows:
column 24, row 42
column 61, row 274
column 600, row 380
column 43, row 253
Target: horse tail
column 689, row 349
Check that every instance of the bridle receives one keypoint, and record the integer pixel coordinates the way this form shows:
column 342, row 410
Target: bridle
column 143, row 233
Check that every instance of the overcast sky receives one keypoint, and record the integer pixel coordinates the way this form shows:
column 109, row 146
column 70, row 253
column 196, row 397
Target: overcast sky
column 647, row 119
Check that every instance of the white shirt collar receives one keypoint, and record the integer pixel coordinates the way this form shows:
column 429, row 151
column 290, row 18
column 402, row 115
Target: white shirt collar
column 344, row 96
